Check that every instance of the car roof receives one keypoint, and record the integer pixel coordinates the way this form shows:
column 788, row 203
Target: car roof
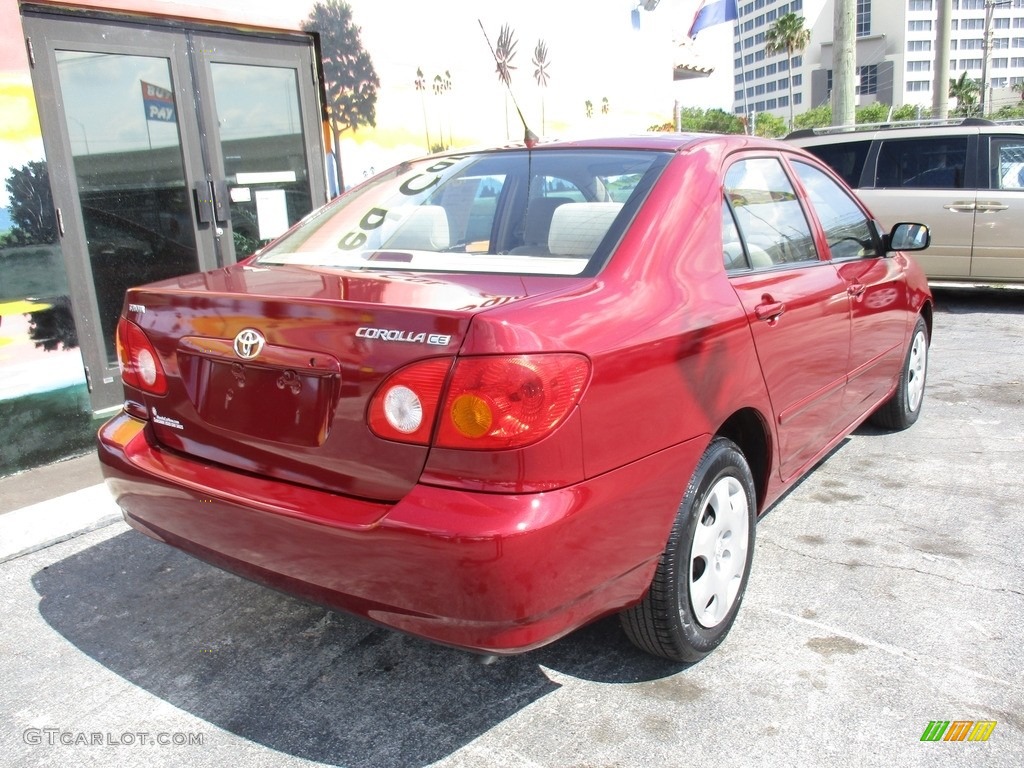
column 658, row 141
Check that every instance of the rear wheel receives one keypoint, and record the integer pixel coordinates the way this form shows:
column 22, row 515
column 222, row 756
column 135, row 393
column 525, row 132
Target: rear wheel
column 699, row 583
column 902, row 409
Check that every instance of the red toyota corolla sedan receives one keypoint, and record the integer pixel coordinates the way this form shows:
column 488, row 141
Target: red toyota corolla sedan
column 488, row 397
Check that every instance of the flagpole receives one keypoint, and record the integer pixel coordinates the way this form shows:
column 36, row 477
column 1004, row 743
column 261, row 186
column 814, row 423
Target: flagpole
column 738, row 35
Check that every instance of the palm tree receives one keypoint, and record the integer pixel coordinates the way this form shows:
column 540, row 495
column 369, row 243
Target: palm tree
column 605, row 106
column 504, row 52
column 1018, row 88
column 965, row 91
column 588, row 107
column 421, row 86
column 442, row 85
column 540, row 74
column 446, row 81
column 787, row 35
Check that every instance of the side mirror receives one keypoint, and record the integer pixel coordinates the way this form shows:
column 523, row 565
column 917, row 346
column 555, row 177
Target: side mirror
column 908, row 237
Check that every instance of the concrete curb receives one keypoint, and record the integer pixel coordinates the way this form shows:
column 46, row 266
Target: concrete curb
column 52, row 521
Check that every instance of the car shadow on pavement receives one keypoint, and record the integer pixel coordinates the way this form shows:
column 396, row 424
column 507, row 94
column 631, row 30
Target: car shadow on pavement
column 293, row 676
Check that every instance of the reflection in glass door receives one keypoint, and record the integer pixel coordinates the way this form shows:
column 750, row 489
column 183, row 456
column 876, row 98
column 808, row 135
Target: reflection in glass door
column 129, row 172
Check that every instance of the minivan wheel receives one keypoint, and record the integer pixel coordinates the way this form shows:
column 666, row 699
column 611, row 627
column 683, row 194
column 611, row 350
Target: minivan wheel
column 700, row 579
column 902, row 409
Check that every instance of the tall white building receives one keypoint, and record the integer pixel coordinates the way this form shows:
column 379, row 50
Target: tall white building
column 896, row 52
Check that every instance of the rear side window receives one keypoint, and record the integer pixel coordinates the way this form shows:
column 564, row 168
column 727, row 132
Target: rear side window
column 930, row 163
column 1007, row 163
column 768, row 213
column 846, row 159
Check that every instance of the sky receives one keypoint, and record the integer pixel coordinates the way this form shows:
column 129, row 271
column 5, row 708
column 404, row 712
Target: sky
column 594, row 53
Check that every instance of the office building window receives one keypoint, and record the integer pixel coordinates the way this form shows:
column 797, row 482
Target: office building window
column 919, row 25
column 920, row 5
column 918, row 85
column 919, row 45
column 919, row 66
column 863, row 18
column 868, row 79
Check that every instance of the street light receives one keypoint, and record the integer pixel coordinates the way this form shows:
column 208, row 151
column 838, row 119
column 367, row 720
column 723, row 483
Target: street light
column 986, row 45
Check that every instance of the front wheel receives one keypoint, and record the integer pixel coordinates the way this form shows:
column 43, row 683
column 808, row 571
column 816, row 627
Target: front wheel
column 902, row 409
column 702, row 574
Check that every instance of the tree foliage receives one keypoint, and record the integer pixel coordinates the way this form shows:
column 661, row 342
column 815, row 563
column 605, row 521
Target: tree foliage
column 31, row 205
column 966, row 91
column 350, row 81
column 769, row 126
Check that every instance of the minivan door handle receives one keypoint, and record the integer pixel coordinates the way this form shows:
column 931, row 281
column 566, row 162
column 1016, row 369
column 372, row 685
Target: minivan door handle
column 960, row 206
column 987, row 206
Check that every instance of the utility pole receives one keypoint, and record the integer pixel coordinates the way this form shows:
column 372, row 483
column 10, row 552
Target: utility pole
column 844, row 62
column 940, row 88
column 986, row 47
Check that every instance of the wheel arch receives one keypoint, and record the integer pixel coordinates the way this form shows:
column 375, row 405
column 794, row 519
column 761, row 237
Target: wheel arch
column 747, row 428
column 927, row 310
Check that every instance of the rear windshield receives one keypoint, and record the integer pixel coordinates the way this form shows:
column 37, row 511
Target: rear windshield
column 550, row 212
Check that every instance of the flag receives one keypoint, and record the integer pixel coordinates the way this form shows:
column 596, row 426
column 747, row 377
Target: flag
column 711, row 13
column 158, row 103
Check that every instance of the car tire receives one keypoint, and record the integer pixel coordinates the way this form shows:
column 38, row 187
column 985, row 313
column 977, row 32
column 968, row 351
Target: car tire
column 902, row 409
column 702, row 574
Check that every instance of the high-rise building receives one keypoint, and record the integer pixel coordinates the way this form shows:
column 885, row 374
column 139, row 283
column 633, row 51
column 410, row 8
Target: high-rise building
column 896, row 52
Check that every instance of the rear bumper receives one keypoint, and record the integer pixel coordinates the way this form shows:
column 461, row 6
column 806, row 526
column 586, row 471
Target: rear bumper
column 488, row 572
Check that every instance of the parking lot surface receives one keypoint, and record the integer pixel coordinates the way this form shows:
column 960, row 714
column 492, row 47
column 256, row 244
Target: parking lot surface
column 887, row 592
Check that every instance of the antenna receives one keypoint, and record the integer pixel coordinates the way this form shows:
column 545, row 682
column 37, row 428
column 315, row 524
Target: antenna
column 530, row 138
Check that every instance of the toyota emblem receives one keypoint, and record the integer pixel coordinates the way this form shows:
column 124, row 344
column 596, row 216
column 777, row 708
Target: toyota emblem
column 249, row 343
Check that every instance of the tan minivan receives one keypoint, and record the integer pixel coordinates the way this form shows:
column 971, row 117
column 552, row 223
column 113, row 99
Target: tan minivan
column 964, row 179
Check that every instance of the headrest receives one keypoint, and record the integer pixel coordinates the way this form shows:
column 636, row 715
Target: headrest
column 577, row 228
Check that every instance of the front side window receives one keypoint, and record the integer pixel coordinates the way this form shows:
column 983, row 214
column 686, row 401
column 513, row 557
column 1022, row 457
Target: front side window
column 768, row 213
column 546, row 211
column 928, row 163
column 849, row 234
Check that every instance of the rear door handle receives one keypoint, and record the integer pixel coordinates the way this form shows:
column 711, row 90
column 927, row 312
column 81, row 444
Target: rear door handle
column 987, row 206
column 856, row 289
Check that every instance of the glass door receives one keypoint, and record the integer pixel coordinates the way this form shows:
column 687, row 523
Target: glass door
column 264, row 127
column 170, row 151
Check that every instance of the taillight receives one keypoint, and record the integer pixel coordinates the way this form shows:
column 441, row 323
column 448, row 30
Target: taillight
column 140, row 366
column 491, row 403
column 403, row 409
column 509, row 401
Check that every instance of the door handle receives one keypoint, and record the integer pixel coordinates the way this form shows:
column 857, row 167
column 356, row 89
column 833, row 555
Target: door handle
column 988, row 206
column 219, row 190
column 960, row 206
column 856, row 290
column 770, row 312
column 203, row 193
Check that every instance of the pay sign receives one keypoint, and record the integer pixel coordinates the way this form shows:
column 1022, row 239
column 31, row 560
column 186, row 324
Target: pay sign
column 158, row 103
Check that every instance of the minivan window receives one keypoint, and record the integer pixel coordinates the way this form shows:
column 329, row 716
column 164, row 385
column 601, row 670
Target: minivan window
column 846, row 158
column 1007, row 163
column 935, row 162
